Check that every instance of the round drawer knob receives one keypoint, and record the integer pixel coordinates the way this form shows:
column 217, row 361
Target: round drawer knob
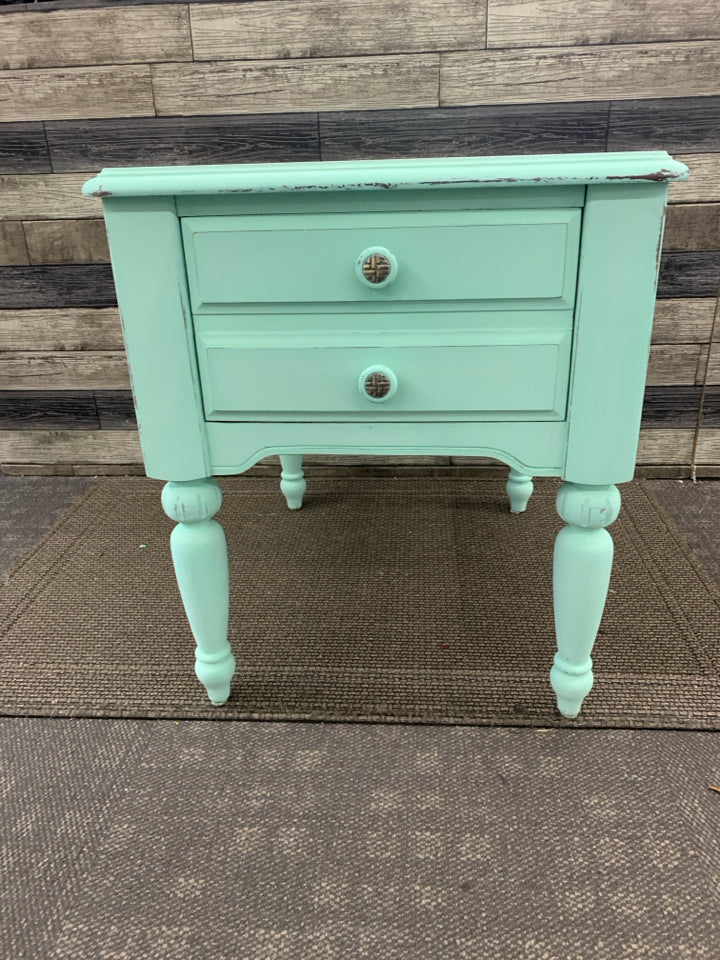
column 378, row 384
column 376, row 267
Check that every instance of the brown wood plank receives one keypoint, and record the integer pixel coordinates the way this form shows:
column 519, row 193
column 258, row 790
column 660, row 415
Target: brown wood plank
column 120, row 34
column 144, row 141
column 675, row 124
column 267, row 86
column 708, row 447
column 673, row 364
column 689, row 274
column 537, row 23
column 709, row 372
column 67, row 241
column 587, row 73
column 13, row 248
column 69, row 446
column 55, row 330
column 704, row 183
column 464, row 131
column 75, row 469
column 23, row 148
column 77, row 92
column 48, row 410
column 273, row 30
column 54, row 286
column 683, row 320
column 91, row 370
column 46, row 196
column 665, row 446
column 692, row 226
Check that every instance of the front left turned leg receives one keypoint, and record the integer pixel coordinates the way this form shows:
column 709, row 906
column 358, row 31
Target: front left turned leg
column 581, row 576
column 519, row 487
column 292, row 479
column 199, row 555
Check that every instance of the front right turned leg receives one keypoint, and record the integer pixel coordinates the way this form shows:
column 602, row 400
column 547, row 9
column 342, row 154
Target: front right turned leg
column 199, row 553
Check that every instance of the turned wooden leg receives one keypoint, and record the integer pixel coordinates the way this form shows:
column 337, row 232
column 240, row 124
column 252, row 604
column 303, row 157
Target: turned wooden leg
column 519, row 487
column 199, row 554
column 582, row 565
column 292, row 479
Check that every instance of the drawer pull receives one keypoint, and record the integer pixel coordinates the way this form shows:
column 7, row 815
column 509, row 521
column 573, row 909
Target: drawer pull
column 378, row 384
column 376, row 267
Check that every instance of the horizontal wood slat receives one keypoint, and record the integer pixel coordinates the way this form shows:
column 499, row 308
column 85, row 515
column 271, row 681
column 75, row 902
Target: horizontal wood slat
column 674, row 364
column 69, row 38
column 275, row 30
column 153, row 141
column 534, row 23
column 465, row 131
column 48, row 410
column 77, row 92
column 692, row 226
column 47, row 196
column 64, row 371
column 708, row 447
column 673, row 407
column 689, row 274
column 53, row 286
column 67, row 241
column 675, row 124
column 712, row 370
column 23, row 148
column 587, row 73
column 13, row 249
column 665, row 446
column 704, row 182
column 57, row 330
column 683, row 321
column 265, row 86
column 69, row 446
column 115, row 410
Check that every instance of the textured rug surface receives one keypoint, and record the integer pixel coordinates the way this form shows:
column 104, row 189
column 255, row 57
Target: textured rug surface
column 405, row 600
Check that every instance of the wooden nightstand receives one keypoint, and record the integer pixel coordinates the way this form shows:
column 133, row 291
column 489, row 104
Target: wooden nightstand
column 467, row 306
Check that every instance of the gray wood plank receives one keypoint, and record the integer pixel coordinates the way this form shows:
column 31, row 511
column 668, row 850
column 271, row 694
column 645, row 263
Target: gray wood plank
column 23, row 148
column 54, row 287
column 67, row 241
column 671, row 407
column 69, row 446
column 13, row 248
column 675, row 124
column 464, row 131
column 61, row 329
column 93, row 144
column 115, row 409
column 86, row 370
column 47, row 196
column 48, row 410
column 691, row 274
column 692, row 226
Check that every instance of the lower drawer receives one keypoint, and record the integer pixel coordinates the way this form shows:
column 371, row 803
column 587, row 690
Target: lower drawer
column 523, row 376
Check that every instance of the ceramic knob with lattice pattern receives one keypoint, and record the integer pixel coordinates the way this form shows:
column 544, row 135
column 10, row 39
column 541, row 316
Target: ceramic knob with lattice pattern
column 378, row 384
column 376, row 267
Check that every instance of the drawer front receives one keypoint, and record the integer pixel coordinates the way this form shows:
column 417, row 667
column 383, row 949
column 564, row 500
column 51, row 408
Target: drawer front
column 460, row 255
column 521, row 376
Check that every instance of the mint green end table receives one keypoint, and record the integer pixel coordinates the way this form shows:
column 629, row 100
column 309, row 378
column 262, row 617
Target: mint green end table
column 497, row 307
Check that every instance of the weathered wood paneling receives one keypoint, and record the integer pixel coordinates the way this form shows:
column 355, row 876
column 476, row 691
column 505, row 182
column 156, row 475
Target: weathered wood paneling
column 587, row 73
column 115, row 410
column 675, row 124
column 54, row 286
column 265, row 86
column 47, row 196
column 674, row 407
column 121, row 34
column 692, row 226
column 67, row 241
column 711, row 369
column 273, row 30
column 708, row 447
column 79, row 92
column 64, row 371
column 711, row 407
column 464, row 131
column 534, row 23
column 704, row 183
column 69, row 446
column 13, row 249
column 23, row 148
column 153, row 141
column 665, row 446
column 55, row 330
column 683, row 321
column 691, row 274
column 48, row 410
column 673, row 364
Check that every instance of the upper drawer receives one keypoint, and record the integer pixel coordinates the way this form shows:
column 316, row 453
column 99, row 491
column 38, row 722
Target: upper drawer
column 460, row 255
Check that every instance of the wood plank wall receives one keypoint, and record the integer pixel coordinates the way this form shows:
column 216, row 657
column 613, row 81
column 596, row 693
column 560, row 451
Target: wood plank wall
column 92, row 83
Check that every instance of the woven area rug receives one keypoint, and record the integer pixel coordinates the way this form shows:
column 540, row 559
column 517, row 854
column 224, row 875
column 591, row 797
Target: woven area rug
column 400, row 600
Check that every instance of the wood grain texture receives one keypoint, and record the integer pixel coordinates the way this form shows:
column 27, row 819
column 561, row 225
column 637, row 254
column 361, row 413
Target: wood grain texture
column 115, row 410
column 89, row 370
column 48, row 410
column 79, row 92
column 683, row 320
column 464, row 131
column 120, row 34
column 93, row 144
column 55, row 330
column 704, row 182
column 534, row 23
column 13, row 249
column 689, row 274
column 587, row 73
column 675, row 124
column 45, row 196
column 711, row 408
column 51, row 286
column 693, row 226
column 709, row 371
column 671, row 407
column 708, row 447
column 353, row 83
column 69, row 446
column 674, row 364
column 67, row 241
column 665, row 446
column 23, row 148
column 273, row 30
